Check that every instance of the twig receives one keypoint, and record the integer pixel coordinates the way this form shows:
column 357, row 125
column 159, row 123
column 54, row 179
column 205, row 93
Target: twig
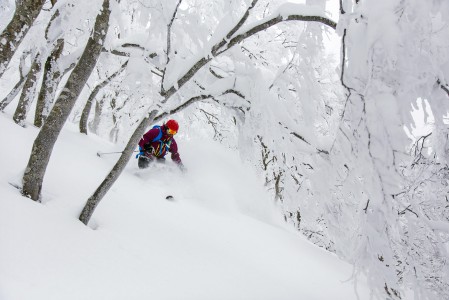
column 261, row 27
column 445, row 87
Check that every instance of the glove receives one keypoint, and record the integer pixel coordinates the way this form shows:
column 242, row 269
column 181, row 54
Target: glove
column 147, row 151
column 148, row 148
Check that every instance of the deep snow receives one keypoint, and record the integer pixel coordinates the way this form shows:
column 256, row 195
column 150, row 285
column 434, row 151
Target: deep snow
column 220, row 238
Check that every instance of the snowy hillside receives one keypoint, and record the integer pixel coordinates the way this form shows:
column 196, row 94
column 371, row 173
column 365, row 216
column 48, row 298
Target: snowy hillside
column 220, row 238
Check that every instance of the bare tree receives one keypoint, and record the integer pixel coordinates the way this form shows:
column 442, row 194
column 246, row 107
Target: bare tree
column 28, row 92
column 46, row 139
column 24, row 16
column 88, row 106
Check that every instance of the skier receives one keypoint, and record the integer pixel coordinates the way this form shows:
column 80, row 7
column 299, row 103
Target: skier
column 155, row 144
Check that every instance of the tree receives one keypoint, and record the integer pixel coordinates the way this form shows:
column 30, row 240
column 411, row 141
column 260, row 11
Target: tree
column 23, row 73
column 50, row 81
column 88, row 106
column 29, row 91
column 392, row 56
column 44, row 142
column 11, row 37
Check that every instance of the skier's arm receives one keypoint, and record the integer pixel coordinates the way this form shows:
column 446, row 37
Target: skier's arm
column 174, row 152
column 148, row 137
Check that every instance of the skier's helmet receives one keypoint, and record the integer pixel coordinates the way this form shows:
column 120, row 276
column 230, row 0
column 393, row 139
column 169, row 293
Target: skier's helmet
column 172, row 127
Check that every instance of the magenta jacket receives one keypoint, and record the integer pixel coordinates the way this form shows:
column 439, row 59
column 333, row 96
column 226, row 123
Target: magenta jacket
column 160, row 148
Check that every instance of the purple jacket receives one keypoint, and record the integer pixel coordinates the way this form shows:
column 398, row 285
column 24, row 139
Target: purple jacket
column 160, row 148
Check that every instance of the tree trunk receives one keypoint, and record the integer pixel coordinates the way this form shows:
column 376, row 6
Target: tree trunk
column 10, row 39
column 28, row 92
column 13, row 93
column 23, row 72
column 50, row 82
column 104, row 187
column 88, row 106
column 95, row 123
column 46, row 139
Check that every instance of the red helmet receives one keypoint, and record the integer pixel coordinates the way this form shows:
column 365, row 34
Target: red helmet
column 173, row 125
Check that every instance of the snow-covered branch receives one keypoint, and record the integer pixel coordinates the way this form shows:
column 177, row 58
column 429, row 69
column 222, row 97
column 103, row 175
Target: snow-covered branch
column 182, row 106
column 273, row 21
column 265, row 24
column 168, row 50
column 235, row 29
column 194, row 100
column 96, row 90
column 129, row 46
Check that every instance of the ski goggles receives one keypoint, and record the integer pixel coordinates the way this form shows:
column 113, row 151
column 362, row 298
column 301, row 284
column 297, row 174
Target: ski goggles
column 171, row 131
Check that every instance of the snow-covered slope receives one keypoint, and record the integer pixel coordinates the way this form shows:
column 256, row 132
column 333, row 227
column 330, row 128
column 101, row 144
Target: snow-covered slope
column 220, row 238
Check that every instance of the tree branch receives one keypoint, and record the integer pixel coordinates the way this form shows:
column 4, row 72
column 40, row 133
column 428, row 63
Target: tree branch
column 215, row 74
column 182, row 106
column 88, row 106
column 203, row 61
column 169, row 44
column 232, row 91
column 445, row 87
column 342, row 10
column 126, row 54
column 194, row 100
column 236, row 27
column 19, row 85
column 261, row 27
column 300, row 137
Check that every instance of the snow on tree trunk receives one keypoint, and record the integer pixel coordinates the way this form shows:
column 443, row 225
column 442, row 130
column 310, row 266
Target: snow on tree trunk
column 23, row 72
column 46, row 139
column 11, row 37
column 50, row 82
column 13, row 93
column 119, row 166
column 28, row 92
column 94, row 124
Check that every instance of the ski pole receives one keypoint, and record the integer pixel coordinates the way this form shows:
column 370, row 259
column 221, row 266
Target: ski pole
column 99, row 154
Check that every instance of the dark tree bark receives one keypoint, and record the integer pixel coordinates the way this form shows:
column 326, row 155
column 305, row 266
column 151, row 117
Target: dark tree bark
column 104, row 187
column 46, row 139
column 10, row 39
column 88, row 106
column 50, row 82
column 28, row 92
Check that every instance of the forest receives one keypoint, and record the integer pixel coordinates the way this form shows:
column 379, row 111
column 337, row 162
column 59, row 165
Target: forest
column 341, row 106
